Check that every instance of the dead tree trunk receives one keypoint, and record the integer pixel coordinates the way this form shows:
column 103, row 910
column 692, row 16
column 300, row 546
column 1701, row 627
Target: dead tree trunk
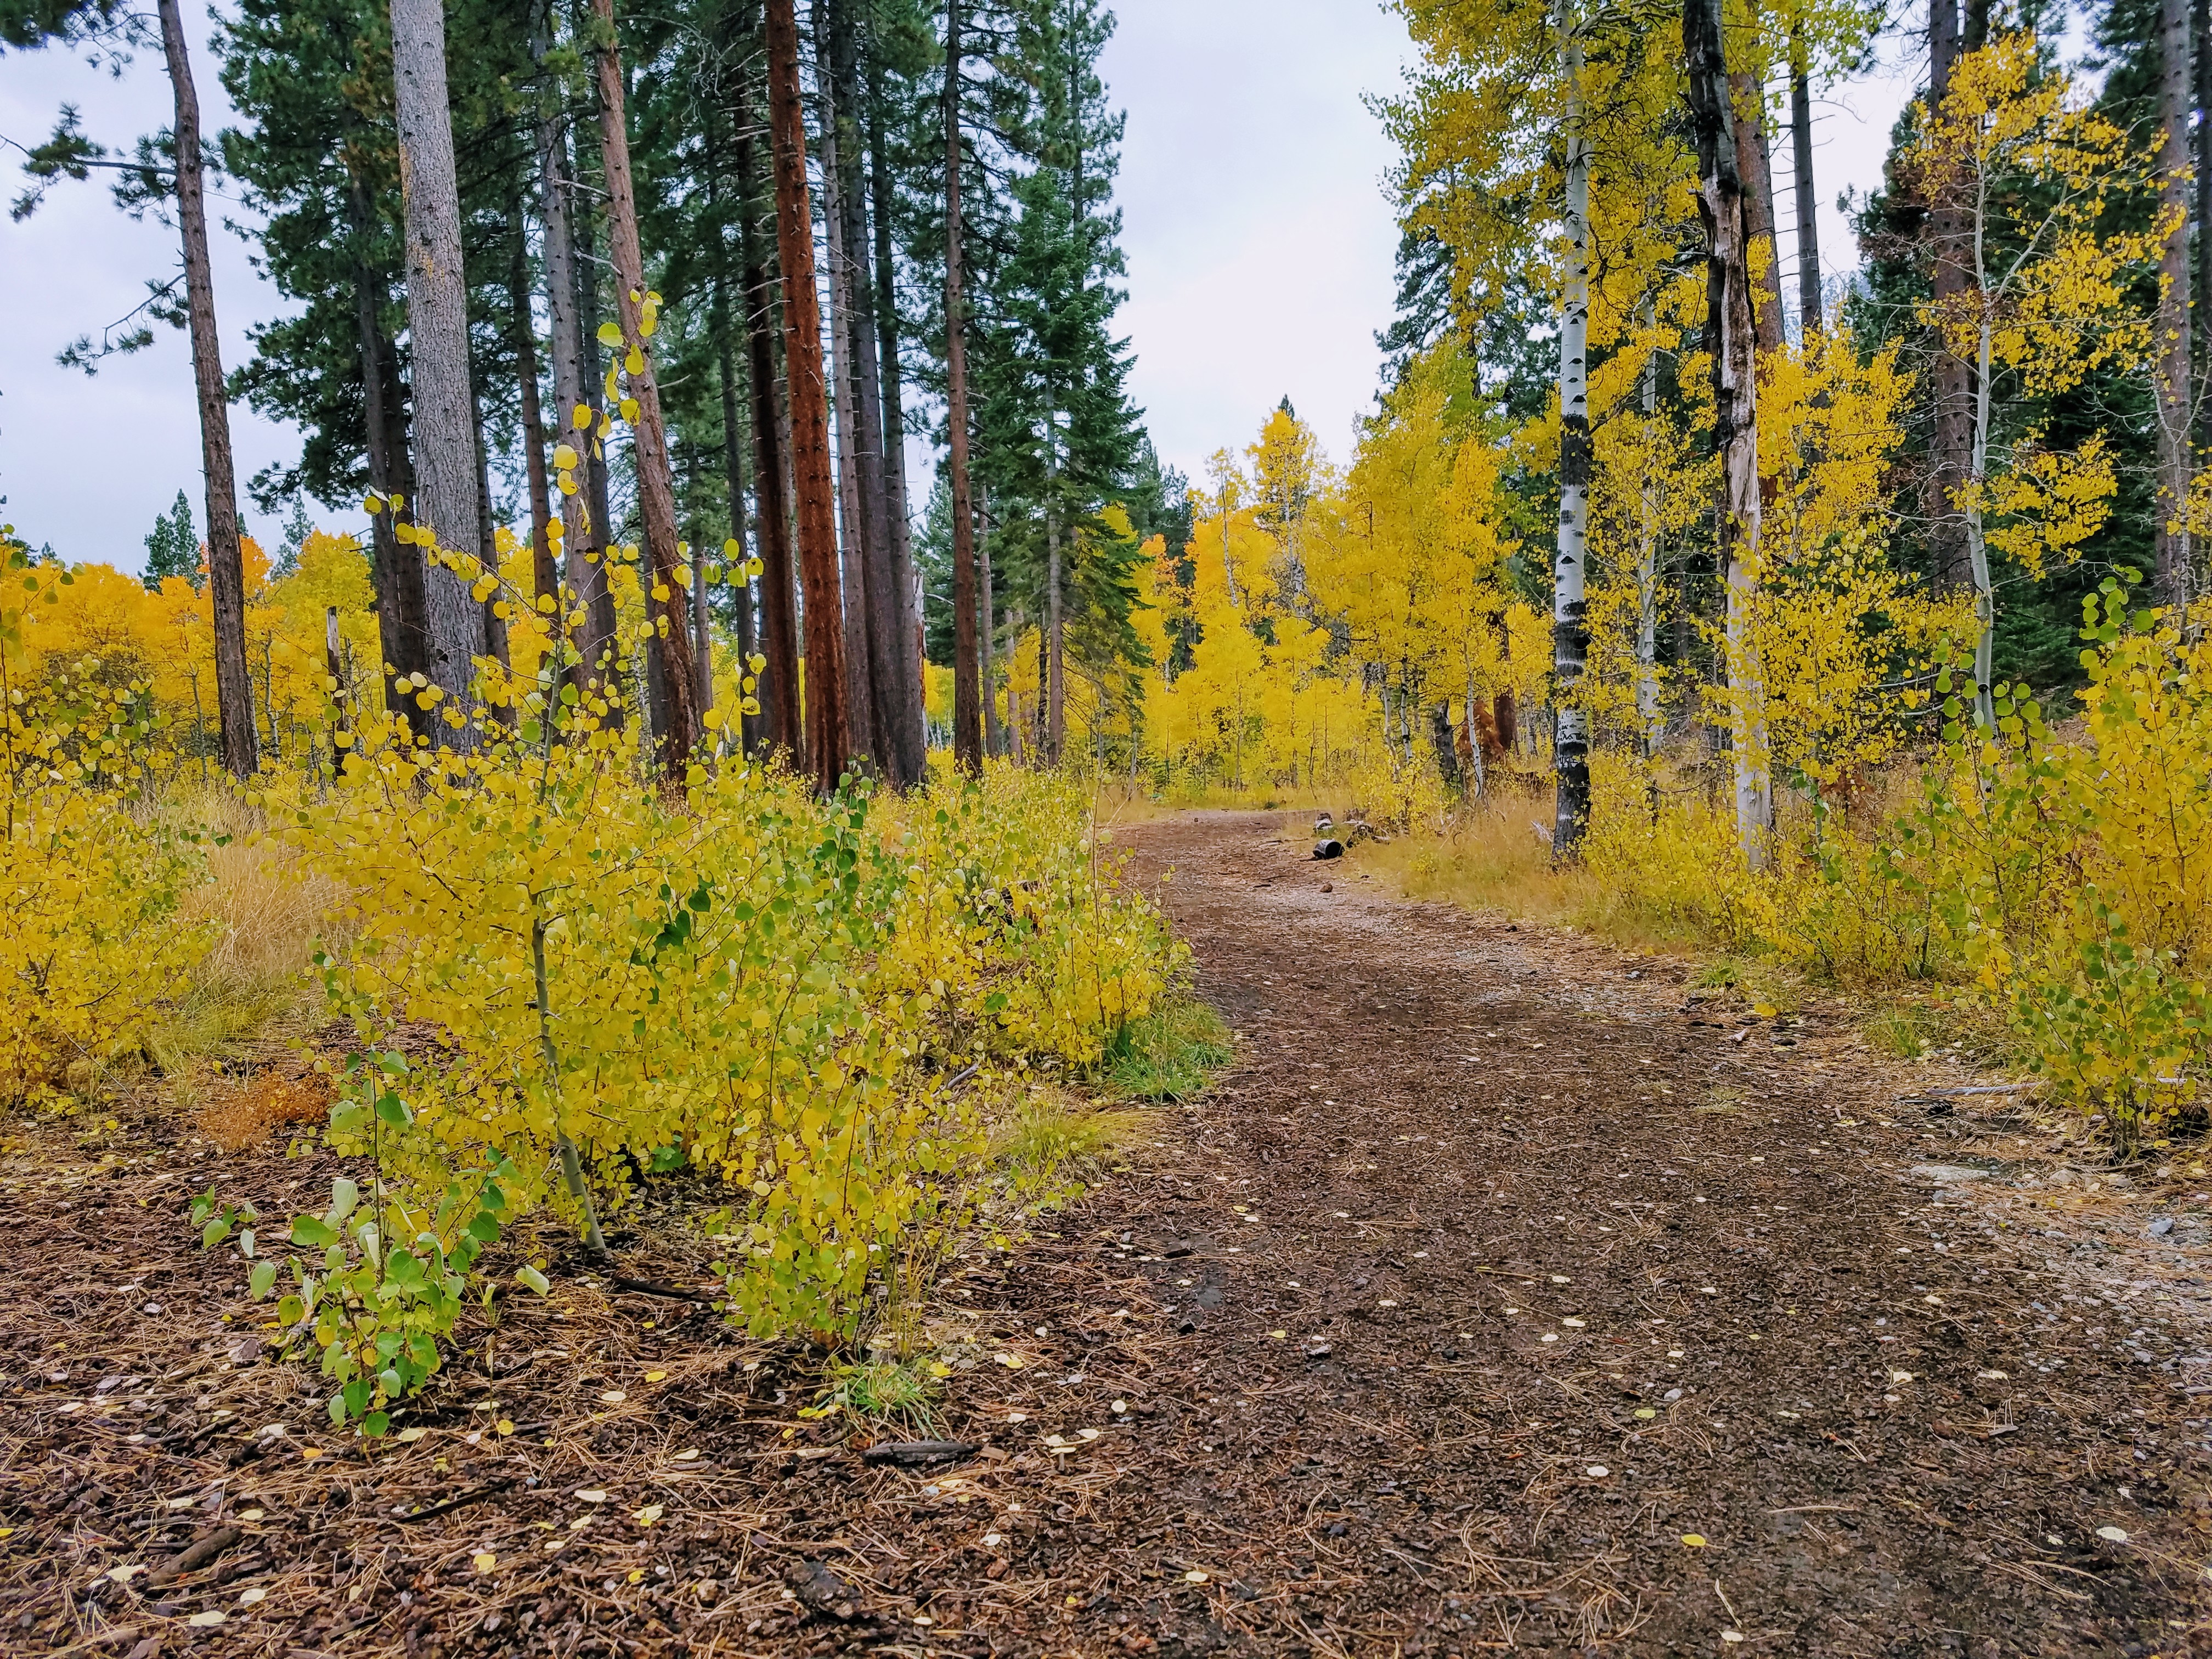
column 233, row 682
column 1762, row 251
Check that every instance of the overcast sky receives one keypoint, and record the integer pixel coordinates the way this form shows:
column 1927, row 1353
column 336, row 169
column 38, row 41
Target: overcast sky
column 1258, row 234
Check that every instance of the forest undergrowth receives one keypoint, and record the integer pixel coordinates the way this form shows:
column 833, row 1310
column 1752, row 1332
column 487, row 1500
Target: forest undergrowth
column 510, row 988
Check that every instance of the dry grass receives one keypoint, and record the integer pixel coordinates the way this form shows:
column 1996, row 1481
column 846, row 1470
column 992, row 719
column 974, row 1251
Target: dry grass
column 256, row 979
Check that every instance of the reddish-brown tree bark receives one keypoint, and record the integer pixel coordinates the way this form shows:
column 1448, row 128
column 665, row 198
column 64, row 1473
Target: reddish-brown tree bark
column 813, row 471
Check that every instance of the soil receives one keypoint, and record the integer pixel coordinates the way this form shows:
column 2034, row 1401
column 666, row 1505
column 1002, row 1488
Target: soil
column 1507, row 1294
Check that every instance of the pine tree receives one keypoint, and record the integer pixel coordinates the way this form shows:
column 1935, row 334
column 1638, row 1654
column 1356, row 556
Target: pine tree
column 174, row 549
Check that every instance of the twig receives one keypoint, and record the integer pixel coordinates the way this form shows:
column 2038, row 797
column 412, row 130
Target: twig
column 197, row 1553
column 486, row 1491
column 654, row 1287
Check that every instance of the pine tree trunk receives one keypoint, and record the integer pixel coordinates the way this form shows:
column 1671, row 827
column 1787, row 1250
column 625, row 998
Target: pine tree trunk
column 891, row 665
column 1055, row 659
column 400, row 623
column 591, row 643
column 447, row 491
column 2172, row 376
column 905, row 584
column 1569, row 626
column 1722, row 206
column 967, row 709
column 733, row 474
column 233, row 682
column 494, row 625
column 1950, row 561
column 545, row 575
column 608, row 667
column 656, row 486
column 857, row 510
column 994, row 740
column 1811, row 311
column 828, row 747
column 724, row 328
column 779, row 616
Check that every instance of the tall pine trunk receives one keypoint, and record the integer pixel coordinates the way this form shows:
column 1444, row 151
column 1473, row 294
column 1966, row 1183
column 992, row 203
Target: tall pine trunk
column 545, row 575
column 1055, row 641
column 1951, row 563
column 2173, row 377
column 986, row 634
column 890, row 665
column 966, row 706
column 446, row 489
column 1811, row 311
column 583, row 571
column 656, row 487
column 828, row 746
column 233, row 684
column 612, row 675
column 1569, row 626
column 778, row 690
column 401, row 625
column 897, row 506
column 725, row 326
column 858, row 513
column 1722, row 206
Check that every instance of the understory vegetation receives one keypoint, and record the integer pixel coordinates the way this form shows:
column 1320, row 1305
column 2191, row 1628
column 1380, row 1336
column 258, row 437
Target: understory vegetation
column 869, row 1022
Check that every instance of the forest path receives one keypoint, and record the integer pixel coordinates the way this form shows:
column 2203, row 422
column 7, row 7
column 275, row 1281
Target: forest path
column 1502, row 1267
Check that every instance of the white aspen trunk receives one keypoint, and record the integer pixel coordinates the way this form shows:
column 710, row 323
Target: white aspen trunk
column 2172, row 376
column 1978, row 547
column 1570, row 629
column 1648, row 717
column 1736, row 413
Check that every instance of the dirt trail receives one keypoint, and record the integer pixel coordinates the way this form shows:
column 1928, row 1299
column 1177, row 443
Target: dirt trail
column 1501, row 1297
column 1564, row 1272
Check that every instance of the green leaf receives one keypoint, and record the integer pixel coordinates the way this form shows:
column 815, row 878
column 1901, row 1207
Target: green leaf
column 344, row 1196
column 312, row 1233
column 262, row 1276
column 394, row 1110
column 531, row 1278
column 291, row 1310
column 610, row 334
column 215, row 1232
column 375, row 1425
column 485, row 1227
